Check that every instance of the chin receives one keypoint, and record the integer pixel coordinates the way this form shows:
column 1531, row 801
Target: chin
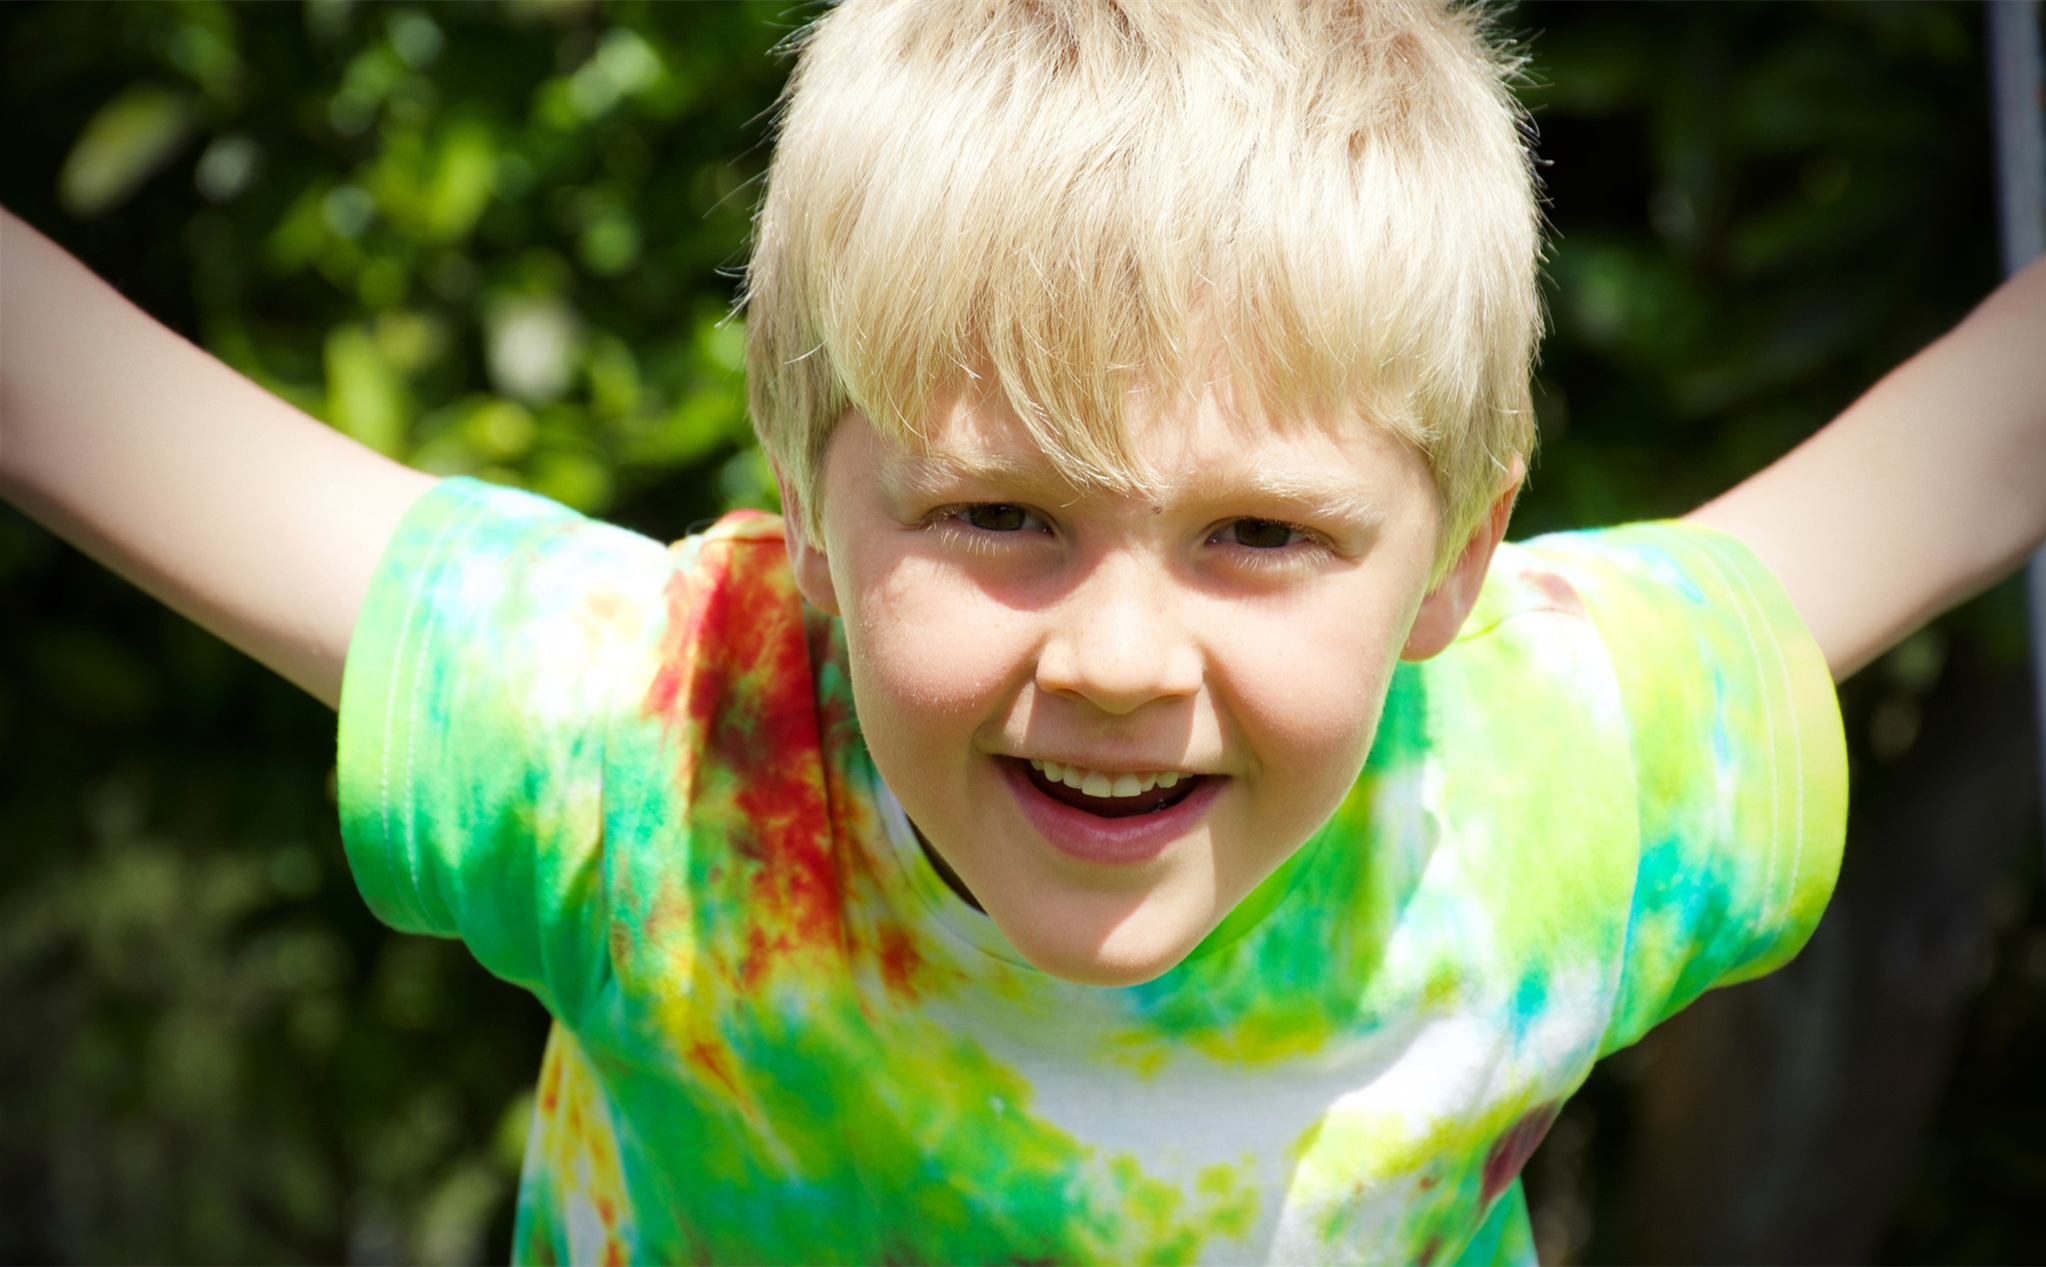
column 1121, row 955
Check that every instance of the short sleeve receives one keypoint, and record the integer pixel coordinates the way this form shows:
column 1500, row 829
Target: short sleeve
column 499, row 635
column 1740, row 766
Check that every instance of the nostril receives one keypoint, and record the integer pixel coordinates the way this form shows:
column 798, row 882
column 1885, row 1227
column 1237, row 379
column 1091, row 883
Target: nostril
column 1119, row 680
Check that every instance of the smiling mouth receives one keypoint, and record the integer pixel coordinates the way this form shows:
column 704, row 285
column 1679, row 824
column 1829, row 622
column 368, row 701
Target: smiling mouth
column 1096, row 792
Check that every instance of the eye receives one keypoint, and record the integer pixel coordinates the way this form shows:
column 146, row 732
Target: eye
column 997, row 517
column 1260, row 534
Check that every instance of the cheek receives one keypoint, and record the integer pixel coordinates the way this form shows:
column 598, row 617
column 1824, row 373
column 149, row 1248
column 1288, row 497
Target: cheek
column 1310, row 728
column 931, row 656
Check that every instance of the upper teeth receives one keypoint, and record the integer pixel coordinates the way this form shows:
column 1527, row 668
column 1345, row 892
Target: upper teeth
column 1105, row 782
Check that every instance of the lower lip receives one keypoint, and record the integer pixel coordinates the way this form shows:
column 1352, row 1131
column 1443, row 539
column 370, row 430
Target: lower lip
column 1109, row 841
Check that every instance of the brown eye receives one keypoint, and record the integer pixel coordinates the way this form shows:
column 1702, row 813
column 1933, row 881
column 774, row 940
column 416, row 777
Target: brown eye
column 997, row 517
column 1261, row 534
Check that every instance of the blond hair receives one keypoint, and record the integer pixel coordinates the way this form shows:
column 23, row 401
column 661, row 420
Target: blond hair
column 1319, row 204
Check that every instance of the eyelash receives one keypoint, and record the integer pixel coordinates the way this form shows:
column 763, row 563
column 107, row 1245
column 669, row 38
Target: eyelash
column 956, row 518
column 1306, row 550
column 952, row 521
column 963, row 514
column 1292, row 530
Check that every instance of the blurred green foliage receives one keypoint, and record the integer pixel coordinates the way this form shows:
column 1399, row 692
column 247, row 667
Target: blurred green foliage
column 483, row 240
column 1758, row 210
column 502, row 239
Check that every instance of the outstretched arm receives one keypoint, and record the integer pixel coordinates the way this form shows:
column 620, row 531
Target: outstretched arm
column 208, row 492
column 1925, row 491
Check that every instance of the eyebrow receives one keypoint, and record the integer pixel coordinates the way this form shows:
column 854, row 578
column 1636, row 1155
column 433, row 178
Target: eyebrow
column 928, row 472
column 1316, row 496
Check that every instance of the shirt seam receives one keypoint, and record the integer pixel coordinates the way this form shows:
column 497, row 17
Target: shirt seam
column 409, row 656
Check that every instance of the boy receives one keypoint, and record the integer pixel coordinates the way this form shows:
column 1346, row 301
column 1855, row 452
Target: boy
column 1148, row 389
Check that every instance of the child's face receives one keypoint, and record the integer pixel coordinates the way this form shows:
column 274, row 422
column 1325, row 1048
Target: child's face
column 1237, row 628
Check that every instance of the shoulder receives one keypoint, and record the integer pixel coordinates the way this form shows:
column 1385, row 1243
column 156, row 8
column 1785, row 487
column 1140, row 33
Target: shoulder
column 731, row 611
column 1677, row 568
column 1583, row 574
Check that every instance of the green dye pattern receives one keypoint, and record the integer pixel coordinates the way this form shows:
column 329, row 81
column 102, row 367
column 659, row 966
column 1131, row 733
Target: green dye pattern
column 630, row 778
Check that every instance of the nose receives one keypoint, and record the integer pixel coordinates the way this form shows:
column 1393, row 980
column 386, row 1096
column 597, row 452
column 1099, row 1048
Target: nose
column 1119, row 641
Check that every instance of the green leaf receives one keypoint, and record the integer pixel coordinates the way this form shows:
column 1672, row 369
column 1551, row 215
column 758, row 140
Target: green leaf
column 365, row 396
column 464, row 172
column 129, row 140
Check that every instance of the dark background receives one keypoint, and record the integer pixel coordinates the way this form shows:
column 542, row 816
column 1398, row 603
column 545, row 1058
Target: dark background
column 501, row 239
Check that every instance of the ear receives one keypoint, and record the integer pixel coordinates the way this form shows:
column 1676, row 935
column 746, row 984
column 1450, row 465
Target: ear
column 806, row 558
column 1447, row 605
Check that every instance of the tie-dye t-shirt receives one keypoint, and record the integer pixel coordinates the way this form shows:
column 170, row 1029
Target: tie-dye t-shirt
column 629, row 776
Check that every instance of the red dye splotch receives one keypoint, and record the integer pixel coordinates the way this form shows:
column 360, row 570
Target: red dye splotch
column 1511, row 1150
column 735, row 694
column 550, row 1086
column 716, row 1062
column 900, row 962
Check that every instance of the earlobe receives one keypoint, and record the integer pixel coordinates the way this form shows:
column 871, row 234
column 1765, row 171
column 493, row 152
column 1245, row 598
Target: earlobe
column 1446, row 607
column 812, row 567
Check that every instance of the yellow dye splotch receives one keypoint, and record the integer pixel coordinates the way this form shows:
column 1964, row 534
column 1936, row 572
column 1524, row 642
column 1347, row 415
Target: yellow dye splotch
column 574, row 1145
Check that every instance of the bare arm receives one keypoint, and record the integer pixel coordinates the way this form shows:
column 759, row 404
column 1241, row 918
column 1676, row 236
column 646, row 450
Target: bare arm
column 181, row 475
column 1924, row 492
